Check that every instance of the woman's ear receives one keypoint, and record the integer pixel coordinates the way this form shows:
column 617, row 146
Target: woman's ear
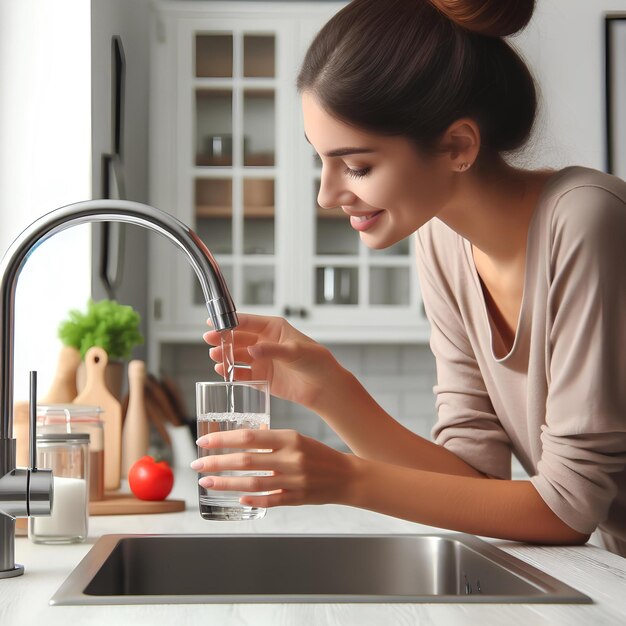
column 461, row 143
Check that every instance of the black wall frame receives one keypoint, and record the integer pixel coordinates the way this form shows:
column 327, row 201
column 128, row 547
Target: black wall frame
column 615, row 86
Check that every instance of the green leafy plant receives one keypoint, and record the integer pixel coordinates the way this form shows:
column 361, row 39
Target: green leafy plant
column 107, row 324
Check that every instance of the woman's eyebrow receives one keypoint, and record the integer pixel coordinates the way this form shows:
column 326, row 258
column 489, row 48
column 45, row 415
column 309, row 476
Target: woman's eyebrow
column 345, row 151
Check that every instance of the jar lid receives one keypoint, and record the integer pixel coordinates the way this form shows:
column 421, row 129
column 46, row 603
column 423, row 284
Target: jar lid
column 81, row 437
column 68, row 412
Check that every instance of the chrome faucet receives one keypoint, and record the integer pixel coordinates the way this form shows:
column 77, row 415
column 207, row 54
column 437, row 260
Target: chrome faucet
column 28, row 492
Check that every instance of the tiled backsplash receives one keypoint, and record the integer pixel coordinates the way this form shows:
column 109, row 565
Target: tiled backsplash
column 399, row 377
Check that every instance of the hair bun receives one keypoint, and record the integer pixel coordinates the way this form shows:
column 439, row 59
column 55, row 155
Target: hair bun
column 495, row 18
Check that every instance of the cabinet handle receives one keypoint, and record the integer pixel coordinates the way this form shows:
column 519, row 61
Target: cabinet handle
column 288, row 312
column 157, row 308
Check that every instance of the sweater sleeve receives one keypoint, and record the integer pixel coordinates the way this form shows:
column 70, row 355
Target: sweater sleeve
column 584, row 434
column 466, row 421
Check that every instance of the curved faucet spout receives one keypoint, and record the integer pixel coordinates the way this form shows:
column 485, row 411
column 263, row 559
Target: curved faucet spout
column 218, row 299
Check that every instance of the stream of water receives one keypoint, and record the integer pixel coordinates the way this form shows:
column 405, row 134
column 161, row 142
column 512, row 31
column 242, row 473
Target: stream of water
column 228, row 360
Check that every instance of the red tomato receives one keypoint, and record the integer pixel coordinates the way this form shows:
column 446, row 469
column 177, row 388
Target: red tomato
column 150, row 480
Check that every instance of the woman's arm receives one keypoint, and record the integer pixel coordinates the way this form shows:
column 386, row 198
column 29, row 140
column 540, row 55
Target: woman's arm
column 303, row 470
column 303, row 371
column 371, row 433
column 506, row 509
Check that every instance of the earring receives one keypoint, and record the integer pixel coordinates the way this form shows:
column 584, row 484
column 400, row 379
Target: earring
column 463, row 166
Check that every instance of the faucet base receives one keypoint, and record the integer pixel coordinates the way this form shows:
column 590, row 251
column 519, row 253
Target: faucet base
column 17, row 570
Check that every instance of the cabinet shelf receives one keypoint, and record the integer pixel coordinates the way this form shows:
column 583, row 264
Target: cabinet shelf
column 229, row 84
column 250, row 160
column 253, row 211
column 250, row 211
column 204, row 160
column 259, row 159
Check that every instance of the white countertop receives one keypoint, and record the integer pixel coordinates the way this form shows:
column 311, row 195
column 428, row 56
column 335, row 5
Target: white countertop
column 24, row 600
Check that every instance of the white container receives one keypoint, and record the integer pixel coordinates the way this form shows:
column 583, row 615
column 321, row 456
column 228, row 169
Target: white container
column 75, row 418
column 67, row 455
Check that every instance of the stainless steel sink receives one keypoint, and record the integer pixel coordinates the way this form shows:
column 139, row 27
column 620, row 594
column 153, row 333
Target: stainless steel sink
column 183, row 569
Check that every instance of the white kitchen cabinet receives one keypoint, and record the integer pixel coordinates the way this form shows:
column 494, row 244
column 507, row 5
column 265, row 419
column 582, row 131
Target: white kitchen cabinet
column 229, row 158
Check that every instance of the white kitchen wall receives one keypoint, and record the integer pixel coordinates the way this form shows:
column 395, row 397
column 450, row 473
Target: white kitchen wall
column 50, row 66
column 45, row 162
column 564, row 47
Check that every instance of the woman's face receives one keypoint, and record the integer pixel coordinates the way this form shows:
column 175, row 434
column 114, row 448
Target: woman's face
column 383, row 183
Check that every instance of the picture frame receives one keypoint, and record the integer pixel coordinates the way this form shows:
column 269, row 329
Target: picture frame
column 615, row 84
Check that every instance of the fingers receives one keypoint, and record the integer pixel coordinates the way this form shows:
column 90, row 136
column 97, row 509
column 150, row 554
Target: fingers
column 239, row 373
column 247, row 347
column 247, row 438
column 288, row 351
column 252, row 323
column 281, row 498
column 242, row 338
column 248, row 483
column 278, row 490
column 241, row 355
column 243, row 462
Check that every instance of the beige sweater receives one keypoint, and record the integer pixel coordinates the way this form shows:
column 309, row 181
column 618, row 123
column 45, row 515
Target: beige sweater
column 557, row 400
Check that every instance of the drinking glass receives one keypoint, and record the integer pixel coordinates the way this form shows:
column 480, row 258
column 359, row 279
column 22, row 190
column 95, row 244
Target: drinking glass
column 223, row 406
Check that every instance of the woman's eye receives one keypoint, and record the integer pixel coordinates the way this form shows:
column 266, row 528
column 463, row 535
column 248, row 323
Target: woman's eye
column 357, row 173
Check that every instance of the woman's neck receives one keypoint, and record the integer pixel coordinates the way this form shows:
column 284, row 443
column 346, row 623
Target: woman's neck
column 492, row 207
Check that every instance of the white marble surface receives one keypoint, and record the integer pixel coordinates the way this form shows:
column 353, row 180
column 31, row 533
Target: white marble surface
column 24, row 600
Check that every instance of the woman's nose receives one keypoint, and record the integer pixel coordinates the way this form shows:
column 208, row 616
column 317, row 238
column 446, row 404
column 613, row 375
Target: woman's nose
column 332, row 193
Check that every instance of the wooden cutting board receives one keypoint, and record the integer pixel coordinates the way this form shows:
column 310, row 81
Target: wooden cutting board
column 96, row 393
column 127, row 504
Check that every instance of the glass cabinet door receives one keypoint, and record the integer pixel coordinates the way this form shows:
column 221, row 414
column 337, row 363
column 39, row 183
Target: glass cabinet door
column 390, row 275
column 245, row 179
column 348, row 274
column 214, row 55
column 234, row 176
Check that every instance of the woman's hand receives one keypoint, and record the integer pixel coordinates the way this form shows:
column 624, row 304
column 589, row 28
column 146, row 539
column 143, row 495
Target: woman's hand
column 297, row 368
column 304, row 470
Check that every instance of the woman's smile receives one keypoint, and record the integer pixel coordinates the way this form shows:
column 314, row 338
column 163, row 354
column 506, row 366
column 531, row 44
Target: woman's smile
column 364, row 221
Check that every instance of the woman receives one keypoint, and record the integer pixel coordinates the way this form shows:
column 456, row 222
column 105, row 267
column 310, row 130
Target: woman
column 411, row 105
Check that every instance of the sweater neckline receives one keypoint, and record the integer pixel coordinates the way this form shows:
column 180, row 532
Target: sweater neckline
column 529, row 270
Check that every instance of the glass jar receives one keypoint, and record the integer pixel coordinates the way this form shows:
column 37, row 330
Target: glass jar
column 78, row 418
column 67, row 455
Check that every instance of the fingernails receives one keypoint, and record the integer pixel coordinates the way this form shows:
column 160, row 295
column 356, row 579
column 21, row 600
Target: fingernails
column 197, row 464
column 200, row 441
column 206, row 482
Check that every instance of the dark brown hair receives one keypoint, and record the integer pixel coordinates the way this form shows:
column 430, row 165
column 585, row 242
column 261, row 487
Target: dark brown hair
column 412, row 67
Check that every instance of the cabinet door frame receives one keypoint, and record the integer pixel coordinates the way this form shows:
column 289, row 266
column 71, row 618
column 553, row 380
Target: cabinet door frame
column 186, row 311
column 173, row 172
